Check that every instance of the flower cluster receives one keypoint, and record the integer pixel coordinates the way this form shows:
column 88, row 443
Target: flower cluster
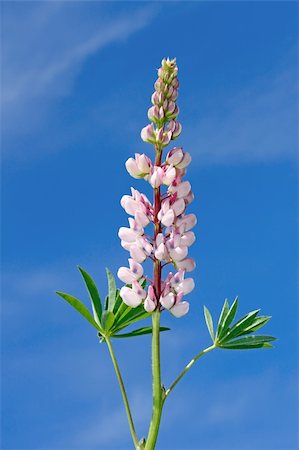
column 172, row 226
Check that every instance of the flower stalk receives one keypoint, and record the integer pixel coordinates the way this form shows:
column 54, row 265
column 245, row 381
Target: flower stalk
column 124, row 393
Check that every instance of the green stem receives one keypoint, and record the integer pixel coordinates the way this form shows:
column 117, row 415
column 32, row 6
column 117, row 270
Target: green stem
column 124, row 394
column 188, row 367
column 157, row 388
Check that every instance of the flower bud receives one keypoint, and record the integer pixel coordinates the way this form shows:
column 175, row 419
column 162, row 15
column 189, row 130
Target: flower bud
column 177, row 130
column 148, row 134
column 166, row 138
column 149, row 305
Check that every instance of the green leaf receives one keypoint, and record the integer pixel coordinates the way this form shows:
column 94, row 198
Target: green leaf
column 209, row 322
column 93, row 295
column 111, row 290
column 249, row 342
column 258, row 322
column 118, row 303
column 75, row 303
column 228, row 319
column 132, row 315
column 107, row 320
column 223, row 314
column 139, row 332
column 121, row 310
column 241, row 325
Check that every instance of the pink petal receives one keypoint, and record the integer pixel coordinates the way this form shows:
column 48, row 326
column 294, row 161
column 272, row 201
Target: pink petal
column 149, row 305
column 136, row 268
column 137, row 254
column 168, row 300
column 187, row 264
column 186, row 286
column 129, row 297
column 127, row 235
column 180, row 309
column 125, row 275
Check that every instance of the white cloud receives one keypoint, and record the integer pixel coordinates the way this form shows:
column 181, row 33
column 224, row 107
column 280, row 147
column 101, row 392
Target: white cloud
column 259, row 124
column 44, row 48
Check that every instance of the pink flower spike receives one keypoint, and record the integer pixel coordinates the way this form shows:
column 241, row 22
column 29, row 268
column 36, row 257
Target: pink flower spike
column 130, row 297
column 180, row 309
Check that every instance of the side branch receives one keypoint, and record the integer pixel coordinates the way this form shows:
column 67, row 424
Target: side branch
column 188, row 367
column 124, row 394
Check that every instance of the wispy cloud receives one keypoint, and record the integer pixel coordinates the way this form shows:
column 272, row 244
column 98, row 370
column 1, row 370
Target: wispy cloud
column 45, row 46
column 257, row 124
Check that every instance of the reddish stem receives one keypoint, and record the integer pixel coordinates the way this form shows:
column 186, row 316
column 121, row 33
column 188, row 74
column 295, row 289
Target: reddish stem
column 157, row 228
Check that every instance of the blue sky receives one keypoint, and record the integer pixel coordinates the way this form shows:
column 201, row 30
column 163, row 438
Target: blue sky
column 76, row 84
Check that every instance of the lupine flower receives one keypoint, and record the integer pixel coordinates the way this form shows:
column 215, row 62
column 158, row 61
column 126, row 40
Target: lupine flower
column 139, row 167
column 172, row 236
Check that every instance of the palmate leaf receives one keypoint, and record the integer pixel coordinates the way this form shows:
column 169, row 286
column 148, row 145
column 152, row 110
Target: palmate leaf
column 231, row 336
column 116, row 314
